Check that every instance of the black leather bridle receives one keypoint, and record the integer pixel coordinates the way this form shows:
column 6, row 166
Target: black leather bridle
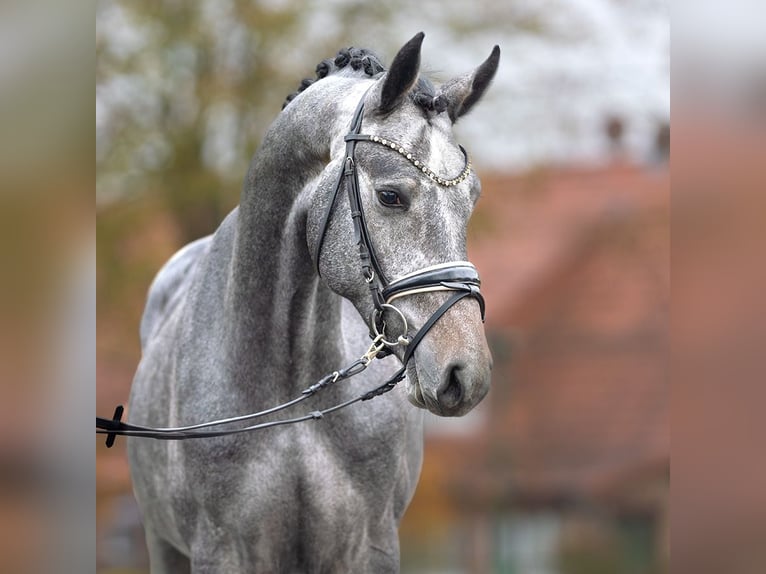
column 458, row 277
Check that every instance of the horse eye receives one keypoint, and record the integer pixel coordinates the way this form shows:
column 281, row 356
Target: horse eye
column 389, row 198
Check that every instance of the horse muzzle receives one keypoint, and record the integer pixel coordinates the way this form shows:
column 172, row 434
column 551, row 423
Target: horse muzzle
column 450, row 372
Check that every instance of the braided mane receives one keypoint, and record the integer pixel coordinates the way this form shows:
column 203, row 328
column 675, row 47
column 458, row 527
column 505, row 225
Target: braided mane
column 368, row 64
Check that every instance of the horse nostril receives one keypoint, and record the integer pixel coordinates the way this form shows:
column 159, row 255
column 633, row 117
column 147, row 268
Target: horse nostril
column 450, row 394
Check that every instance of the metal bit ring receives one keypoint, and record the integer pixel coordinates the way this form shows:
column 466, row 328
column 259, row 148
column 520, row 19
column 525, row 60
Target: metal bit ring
column 402, row 339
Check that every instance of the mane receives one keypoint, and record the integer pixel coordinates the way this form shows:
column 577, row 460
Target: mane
column 368, row 65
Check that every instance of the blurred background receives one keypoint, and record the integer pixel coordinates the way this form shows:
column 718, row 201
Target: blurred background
column 564, row 468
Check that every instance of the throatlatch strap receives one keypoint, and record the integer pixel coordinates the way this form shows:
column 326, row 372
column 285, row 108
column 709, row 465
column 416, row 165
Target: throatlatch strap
column 370, row 265
column 326, row 222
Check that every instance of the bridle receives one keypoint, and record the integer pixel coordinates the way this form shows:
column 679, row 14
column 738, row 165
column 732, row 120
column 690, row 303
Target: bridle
column 458, row 277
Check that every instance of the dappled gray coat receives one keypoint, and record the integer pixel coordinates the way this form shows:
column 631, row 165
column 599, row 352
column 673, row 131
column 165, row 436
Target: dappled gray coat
column 240, row 321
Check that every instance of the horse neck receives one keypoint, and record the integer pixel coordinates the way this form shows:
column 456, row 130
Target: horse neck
column 282, row 312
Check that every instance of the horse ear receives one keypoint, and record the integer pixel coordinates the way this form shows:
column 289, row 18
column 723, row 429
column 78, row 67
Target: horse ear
column 463, row 92
column 402, row 74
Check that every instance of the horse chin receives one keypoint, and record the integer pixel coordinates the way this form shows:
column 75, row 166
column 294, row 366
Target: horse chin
column 414, row 391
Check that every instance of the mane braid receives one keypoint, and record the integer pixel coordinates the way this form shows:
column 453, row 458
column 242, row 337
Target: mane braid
column 368, row 63
column 359, row 59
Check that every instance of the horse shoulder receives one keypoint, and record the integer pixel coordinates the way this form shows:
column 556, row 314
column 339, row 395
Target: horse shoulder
column 169, row 284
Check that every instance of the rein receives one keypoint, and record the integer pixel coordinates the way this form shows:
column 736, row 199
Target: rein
column 459, row 277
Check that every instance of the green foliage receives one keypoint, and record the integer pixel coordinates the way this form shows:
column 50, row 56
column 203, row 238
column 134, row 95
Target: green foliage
column 169, row 76
column 185, row 99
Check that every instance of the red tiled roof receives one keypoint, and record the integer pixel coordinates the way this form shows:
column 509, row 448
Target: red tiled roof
column 528, row 229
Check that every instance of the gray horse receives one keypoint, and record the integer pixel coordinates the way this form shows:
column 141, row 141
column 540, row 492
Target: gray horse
column 246, row 318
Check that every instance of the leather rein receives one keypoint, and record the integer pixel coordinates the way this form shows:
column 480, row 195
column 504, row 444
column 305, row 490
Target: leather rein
column 458, row 277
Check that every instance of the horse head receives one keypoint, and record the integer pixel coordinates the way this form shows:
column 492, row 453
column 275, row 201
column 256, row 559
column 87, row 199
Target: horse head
column 416, row 191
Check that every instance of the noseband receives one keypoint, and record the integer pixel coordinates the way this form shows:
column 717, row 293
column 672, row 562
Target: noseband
column 458, row 277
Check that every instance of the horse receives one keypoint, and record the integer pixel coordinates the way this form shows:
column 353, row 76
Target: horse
column 282, row 293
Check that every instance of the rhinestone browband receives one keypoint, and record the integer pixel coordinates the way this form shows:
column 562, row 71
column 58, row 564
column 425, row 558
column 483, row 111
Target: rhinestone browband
column 420, row 165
